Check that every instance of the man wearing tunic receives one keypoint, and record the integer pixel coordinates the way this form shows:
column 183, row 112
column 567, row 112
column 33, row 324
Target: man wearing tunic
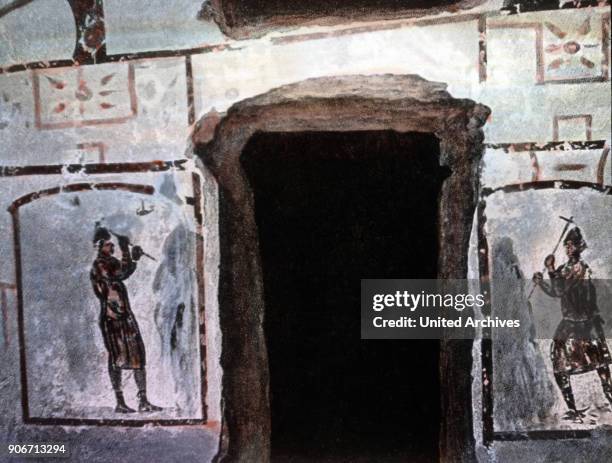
column 579, row 344
column 120, row 330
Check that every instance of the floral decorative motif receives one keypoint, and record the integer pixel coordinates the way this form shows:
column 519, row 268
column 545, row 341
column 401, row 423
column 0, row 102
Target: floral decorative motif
column 84, row 96
column 572, row 53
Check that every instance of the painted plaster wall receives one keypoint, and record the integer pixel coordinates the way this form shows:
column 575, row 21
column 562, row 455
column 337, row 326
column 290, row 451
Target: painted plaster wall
column 66, row 361
column 144, row 109
column 525, row 397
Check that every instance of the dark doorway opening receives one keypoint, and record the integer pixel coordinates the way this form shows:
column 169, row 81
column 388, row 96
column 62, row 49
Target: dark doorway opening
column 332, row 208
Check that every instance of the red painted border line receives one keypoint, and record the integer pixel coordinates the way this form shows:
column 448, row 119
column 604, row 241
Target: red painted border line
column 115, row 422
column 544, row 435
column 74, row 187
column 569, row 167
column 547, row 185
column 486, row 343
column 535, row 166
column 601, row 165
column 102, row 168
column 120, row 58
column 517, row 147
column 605, row 45
column 588, row 124
column 190, row 92
column 12, row 6
column 98, row 145
column 582, row 80
column 25, row 408
column 539, row 46
column 197, row 208
column 4, row 310
column 482, row 48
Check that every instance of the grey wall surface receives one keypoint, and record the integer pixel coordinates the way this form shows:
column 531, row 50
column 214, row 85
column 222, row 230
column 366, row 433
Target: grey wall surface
column 66, row 358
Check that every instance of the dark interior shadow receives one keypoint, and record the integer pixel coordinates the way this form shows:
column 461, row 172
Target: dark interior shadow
column 333, row 208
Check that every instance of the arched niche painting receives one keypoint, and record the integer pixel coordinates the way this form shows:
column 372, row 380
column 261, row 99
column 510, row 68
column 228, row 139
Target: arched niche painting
column 109, row 303
column 550, row 377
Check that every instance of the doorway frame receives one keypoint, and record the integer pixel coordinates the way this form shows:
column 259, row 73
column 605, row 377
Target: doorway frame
column 404, row 103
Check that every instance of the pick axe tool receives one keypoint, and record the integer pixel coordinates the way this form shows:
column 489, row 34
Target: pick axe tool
column 132, row 245
column 568, row 222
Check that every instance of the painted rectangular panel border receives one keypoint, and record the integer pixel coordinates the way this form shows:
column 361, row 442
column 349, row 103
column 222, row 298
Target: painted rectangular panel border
column 586, row 118
column 538, row 25
column 488, row 432
column 82, row 95
column 194, row 201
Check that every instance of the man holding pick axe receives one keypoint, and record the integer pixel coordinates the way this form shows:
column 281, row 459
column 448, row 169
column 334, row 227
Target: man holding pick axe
column 579, row 344
column 120, row 331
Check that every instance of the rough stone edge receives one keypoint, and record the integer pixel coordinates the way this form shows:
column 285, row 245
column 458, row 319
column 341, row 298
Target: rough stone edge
column 240, row 29
column 314, row 104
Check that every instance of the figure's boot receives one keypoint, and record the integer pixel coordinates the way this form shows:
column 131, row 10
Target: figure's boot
column 563, row 381
column 606, row 382
column 121, row 405
column 568, row 396
column 608, row 393
column 572, row 414
column 144, row 405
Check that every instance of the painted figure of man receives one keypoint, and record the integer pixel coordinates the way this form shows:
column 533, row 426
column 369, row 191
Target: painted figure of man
column 120, row 330
column 579, row 343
